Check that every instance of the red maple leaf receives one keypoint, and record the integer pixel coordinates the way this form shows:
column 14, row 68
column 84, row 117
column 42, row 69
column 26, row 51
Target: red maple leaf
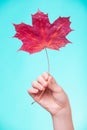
column 42, row 34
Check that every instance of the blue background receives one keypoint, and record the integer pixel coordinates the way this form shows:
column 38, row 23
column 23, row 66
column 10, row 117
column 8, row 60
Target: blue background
column 19, row 69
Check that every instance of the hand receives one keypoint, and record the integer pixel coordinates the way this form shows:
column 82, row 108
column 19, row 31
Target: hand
column 49, row 94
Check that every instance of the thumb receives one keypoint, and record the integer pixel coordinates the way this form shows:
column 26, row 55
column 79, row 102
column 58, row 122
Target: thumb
column 53, row 85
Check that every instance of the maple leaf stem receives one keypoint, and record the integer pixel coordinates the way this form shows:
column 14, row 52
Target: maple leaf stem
column 47, row 60
column 48, row 72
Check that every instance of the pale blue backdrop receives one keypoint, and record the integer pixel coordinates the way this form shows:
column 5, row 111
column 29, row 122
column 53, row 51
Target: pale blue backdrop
column 18, row 69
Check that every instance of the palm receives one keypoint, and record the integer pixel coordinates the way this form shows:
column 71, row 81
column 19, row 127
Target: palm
column 50, row 100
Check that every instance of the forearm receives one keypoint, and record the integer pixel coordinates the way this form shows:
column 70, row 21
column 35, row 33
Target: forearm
column 63, row 120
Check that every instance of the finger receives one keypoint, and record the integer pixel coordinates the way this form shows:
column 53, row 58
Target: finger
column 42, row 81
column 45, row 75
column 32, row 91
column 37, row 85
column 53, row 85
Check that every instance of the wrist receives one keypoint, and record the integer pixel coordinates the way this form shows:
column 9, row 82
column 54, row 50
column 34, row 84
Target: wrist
column 63, row 119
column 66, row 110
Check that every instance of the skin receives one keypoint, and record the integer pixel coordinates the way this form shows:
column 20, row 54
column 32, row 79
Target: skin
column 46, row 91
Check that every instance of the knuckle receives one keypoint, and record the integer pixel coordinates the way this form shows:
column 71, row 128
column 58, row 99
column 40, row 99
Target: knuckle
column 45, row 73
column 51, row 78
column 33, row 83
column 39, row 78
column 45, row 84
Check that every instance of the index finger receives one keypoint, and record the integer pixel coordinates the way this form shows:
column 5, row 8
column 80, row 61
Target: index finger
column 45, row 75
